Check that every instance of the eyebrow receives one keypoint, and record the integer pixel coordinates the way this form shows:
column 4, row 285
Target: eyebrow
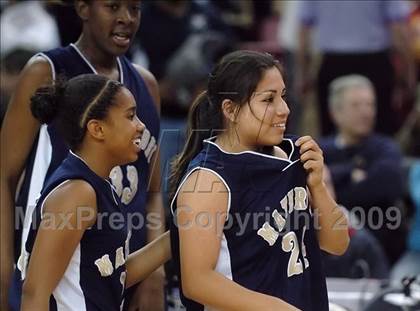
column 266, row 92
column 131, row 108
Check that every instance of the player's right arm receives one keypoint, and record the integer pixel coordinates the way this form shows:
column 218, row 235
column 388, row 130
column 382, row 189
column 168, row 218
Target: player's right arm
column 66, row 217
column 18, row 133
column 204, row 197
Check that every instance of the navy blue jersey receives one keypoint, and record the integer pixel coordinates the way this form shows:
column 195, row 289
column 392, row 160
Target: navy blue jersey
column 269, row 243
column 49, row 150
column 95, row 276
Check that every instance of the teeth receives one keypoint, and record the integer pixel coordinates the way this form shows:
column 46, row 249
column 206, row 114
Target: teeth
column 123, row 36
column 137, row 142
column 279, row 125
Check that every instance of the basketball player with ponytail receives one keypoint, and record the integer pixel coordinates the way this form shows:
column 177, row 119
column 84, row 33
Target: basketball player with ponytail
column 76, row 253
column 251, row 211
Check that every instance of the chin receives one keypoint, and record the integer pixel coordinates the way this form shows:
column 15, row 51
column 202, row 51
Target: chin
column 115, row 50
column 130, row 160
column 364, row 132
column 278, row 140
column 135, row 158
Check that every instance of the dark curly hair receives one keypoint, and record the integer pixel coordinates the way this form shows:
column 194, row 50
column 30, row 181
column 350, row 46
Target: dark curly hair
column 70, row 105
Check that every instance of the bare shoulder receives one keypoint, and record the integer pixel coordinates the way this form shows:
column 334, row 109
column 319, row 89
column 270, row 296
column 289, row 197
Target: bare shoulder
column 203, row 180
column 205, row 190
column 73, row 196
column 38, row 66
column 37, row 72
column 151, row 83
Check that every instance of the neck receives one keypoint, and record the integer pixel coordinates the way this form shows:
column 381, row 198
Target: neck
column 100, row 168
column 97, row 57
column 346, row 139
column 231, row 143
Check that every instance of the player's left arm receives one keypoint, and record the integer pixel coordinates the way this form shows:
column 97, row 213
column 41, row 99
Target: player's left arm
column 150, row 292
column 147, row 259
column 333, row 229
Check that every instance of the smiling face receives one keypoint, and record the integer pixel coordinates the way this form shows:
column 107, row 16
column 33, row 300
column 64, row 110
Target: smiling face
column 112, row 24
column 262, row 121
column 123, row 129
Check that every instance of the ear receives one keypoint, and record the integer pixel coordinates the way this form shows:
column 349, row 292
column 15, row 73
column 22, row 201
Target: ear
column 96, row 129
column 82, row 9
column 230, row 110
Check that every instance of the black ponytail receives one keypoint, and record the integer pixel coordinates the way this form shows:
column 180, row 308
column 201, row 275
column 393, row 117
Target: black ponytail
column 235, row 78
column 45, row 103
column 203, row 123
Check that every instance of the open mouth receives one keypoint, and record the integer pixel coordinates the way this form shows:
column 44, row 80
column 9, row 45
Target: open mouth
column 279, row 125
column 121, row 38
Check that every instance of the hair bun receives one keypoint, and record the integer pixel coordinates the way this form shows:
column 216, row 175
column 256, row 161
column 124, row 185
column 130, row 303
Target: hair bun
column 46, row 102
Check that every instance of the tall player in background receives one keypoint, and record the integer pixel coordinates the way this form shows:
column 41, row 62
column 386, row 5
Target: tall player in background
column 246, row 200
column 108, row 30
column 78, row 226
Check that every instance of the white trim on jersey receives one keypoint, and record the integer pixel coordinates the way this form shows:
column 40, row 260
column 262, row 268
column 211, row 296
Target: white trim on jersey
column 93, row 68
column 84, row 58
column 68, row 294
column 39, row 171
column 121, row 71
column 204, row 169
column 254, row 152
column 113, row 190
column 223, row 265
column 291, row 163
column 51, row 65
column 48, row 195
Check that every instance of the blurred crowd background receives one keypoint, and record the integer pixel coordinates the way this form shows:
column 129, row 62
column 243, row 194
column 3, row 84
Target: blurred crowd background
column 352, row 73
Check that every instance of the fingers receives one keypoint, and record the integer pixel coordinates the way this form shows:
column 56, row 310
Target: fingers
column 302, row 140
column 311, row 155
column 306, row 143
column 312, row 165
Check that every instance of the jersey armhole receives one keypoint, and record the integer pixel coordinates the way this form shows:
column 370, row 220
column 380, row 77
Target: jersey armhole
column 43, row 55
column 48, row 195
column 208, row 170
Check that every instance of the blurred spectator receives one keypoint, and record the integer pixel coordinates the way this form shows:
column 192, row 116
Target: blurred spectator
column 27, row 25
column 245, row 17
column 287, row 34
column 409, row 264
column 3, row 4
column 409, row 134
column 166, row 24
column 68, row 22
column 239, row 15
column 365, row 166
column 11, row 65
column 414, row 22
column 364, row 256
column 181, row 40
column 357, row 37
